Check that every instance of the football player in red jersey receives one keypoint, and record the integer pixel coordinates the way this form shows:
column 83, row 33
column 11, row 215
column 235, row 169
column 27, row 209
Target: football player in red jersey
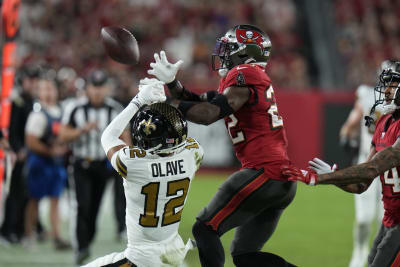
column 384, row 160
column 252, row 199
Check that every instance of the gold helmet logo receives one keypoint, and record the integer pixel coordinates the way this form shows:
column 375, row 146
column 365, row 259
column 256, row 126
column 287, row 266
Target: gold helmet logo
column 148, row 126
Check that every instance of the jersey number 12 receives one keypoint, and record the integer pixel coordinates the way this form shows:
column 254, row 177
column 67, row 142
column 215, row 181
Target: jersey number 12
column 169, row 216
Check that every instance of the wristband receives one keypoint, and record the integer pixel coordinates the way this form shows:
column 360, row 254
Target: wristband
column 173, row 84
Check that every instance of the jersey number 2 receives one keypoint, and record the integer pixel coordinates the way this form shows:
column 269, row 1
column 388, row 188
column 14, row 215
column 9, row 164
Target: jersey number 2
column 151, row 190
column 276, row 119
column 236, row 136
column 392, row 179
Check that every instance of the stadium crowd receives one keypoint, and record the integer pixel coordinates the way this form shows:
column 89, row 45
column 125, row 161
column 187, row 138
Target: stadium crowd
column 67, row 34
column 367, row 34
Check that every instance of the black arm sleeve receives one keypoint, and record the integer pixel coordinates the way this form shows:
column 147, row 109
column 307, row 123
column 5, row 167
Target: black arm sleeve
column 219, row 100
column 178, row 91
column 208, row 96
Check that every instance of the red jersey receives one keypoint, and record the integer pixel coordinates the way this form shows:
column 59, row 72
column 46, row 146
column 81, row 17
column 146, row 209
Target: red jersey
column 256, row 129
column 386, row 133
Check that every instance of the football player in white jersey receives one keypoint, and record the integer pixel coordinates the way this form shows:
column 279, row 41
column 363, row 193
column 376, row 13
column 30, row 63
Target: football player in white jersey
column 368, row 205
column 156, row 173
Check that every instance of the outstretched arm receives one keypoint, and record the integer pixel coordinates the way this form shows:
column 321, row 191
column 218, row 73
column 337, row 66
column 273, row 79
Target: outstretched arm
column 220, row 106
column 150, row 91
column 166, row 72
column 178, row 91
column 362, row 174
column 203, row 109
column 382, row 161
column 359, row 188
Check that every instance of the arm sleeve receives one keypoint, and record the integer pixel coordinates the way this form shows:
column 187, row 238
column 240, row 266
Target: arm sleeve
column 110, row 136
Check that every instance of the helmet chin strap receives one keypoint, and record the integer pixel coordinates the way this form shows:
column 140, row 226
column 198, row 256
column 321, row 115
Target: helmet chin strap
column 151, row 150
column 175, row 149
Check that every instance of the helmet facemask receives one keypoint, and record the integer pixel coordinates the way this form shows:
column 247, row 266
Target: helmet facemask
column 388, row 79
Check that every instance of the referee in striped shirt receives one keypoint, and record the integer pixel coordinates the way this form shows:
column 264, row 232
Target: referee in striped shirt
column 83, row 122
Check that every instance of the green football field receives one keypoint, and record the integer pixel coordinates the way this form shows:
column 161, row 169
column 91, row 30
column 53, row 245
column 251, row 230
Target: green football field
column 316, row 230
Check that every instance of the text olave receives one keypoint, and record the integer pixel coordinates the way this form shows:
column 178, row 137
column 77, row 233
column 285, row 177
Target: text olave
column 168, row 168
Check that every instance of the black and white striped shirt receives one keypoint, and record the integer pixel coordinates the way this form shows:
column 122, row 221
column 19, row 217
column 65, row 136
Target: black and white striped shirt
column 79, row 112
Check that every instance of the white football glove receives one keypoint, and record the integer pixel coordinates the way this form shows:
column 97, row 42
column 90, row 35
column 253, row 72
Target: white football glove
column 149, row 81
column 321, row 167
column 150, row 91
column 162, row 69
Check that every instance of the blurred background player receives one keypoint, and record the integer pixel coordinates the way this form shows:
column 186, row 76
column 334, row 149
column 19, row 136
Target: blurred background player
column 46, row 173
column 383, row 160
column 157, row 174
column 12, row 228
column 368, row 205
column 83, row 122
column 252, row 199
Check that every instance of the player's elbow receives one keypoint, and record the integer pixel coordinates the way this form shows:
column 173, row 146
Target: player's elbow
column 360, row 189
column 206, row 121
column 207, row 118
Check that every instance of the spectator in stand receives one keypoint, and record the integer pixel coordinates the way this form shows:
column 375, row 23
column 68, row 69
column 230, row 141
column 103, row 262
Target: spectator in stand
column 201, row 20
column 46, row 173
column 366, row 29
column 12, row 228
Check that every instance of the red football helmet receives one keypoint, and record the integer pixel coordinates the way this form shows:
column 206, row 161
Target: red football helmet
column 241, row 44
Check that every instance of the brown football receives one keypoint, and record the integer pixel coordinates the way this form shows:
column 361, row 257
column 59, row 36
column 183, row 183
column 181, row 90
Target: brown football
column 120, row 45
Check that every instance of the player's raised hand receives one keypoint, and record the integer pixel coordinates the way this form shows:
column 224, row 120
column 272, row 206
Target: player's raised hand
column 320, row 166
column 309, row 177
column 162, row 69
column 150, row 91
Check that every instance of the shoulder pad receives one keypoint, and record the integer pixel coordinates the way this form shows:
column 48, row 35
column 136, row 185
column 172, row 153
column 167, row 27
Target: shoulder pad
column 191, row 143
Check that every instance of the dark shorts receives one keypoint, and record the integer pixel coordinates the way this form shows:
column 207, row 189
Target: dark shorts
column 386, row 248
column 45, row 176
column 250, row 202
column 122, row 263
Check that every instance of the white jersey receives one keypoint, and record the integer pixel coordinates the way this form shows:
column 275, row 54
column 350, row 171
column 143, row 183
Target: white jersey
column 368, row 205
column 365, row 96
column 155, row 190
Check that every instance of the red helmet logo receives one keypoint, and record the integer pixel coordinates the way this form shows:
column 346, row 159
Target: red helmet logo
column 249, row 37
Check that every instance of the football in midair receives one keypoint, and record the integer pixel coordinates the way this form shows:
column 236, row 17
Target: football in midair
column 120, row 45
